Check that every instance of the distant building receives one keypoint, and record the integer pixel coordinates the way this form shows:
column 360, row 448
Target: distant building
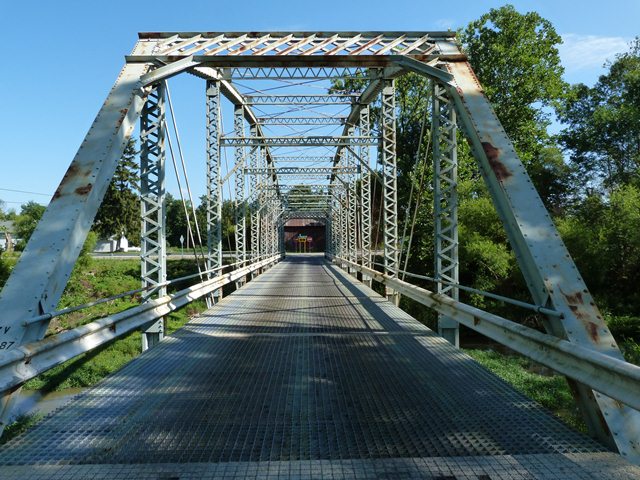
column 298, row 228
column 114, row 244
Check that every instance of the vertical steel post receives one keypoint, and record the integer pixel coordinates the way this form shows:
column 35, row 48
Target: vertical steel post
column 445, row 197
column 327, row 232
column 365, row 196
column 269, row 224
column 389, row 168
column 336, row 226
column 352, row 206
column 214, row 189
column 280, row 229
column 152, row 194
column 264, row 218
column 344, row 225
column 274, row 227
column 240, row 213
column 253, row 182
column 260, row 199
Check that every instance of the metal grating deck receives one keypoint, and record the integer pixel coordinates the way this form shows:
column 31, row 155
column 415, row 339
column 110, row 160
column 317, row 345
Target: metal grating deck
column 305, row 374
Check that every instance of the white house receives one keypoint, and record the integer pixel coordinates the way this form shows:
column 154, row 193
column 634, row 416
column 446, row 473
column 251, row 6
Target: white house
column 114, row 244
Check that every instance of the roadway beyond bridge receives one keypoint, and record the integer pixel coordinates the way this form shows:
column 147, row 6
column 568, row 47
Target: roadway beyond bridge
column 305, row 373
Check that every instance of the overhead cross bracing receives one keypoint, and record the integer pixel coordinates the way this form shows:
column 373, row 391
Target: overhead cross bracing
column 271, row 126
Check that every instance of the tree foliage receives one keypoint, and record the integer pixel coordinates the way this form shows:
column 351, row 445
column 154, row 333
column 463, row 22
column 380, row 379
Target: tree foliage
column 26, row 222
column 119, row 213
column 603, row 236
column 515, row 57
column 603, row 125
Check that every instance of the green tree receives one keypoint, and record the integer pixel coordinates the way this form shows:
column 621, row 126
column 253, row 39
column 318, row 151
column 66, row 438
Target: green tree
column 119, row 212
column 603, row 124
column 228, row 223
column 176, row 221
column 603, row 236
column 515, row 57
column 26, row 221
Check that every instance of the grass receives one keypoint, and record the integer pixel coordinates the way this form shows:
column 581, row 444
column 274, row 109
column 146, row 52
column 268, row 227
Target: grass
column 91, row 280
column 22, row 424
column 88, row 369
column 100, row 278
column 549, row 389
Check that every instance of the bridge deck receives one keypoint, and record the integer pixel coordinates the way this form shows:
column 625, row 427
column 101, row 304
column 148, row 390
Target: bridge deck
column 304, row 373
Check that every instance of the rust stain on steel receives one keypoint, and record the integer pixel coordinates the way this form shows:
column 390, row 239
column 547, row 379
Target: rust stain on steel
column 574, row 297
column 71, row 172
column 493, row 155
column 593, row 331
column 123, row 114
column 84, row 190
column 575, row 301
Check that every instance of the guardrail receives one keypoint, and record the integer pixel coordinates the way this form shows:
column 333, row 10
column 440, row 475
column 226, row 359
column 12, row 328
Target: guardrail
column 27, row 361
column 605, row 374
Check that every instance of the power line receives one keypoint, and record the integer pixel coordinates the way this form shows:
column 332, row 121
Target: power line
column 22, row 203
column 24, row 191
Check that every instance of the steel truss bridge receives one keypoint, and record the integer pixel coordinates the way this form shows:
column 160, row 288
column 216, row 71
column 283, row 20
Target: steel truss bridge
column 305, row 371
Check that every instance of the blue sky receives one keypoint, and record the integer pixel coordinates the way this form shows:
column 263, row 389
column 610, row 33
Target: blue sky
column 62, row 57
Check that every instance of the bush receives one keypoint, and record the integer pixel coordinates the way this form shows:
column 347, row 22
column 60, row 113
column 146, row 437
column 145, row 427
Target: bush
column 4, row 271
column 84, row 260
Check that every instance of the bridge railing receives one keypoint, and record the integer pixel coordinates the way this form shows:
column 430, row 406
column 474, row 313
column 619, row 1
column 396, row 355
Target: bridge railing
column 27, row 361
column 608, row 375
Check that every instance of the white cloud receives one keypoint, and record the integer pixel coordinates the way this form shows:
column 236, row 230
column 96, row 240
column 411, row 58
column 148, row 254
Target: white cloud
column 581, row 52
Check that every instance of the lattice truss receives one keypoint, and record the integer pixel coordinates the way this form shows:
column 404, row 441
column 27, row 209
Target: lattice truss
column 301, row 142
column 296, row 44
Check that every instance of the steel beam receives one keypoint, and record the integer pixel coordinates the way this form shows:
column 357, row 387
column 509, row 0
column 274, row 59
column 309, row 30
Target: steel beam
column 316, row 186
column 273, row 61
column 547, row 267
column 241, row 206
column 254, row 212
column 328, row 99
column 365, row 195
column 302, row 158
column 231, row 93
column 55, row 244
column 25, row 363
column 350, row 170
column 445, row 197
column 310, row 141
column 294, row 73
column 332, row 120
column 367, row 96
column 302, row 170
column 615, row 377
column 214, row 186
column 153, row 246
column 390, row 179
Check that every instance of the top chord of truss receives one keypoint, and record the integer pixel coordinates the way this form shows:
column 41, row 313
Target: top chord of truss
column 303, row 49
